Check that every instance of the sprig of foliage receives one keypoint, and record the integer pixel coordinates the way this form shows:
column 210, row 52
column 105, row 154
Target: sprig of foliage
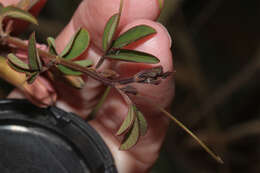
column 67, row 66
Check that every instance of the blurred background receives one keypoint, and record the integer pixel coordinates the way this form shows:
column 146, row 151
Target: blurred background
column 216, row 48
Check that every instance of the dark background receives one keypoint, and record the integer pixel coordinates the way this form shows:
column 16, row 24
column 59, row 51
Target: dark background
column 216, row 48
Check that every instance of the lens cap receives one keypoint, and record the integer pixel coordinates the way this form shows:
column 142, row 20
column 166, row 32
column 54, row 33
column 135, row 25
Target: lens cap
column 37, row 140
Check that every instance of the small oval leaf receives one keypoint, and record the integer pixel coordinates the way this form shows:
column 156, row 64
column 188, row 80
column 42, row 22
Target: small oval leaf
column 75, row 81
column 128, row 122
column 132, row 35
column 17, row 13
column 17, row 64
column 52, row 45
column 142, row 123
column 68, row 71
column 85, row 62
column 132, row 56
column 109, row 31
column 77, row 45
column 131, row 137
column 34, row 59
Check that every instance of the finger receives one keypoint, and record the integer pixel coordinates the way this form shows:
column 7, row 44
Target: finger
column 9, row 2
column 93, row 16
column 41, row 92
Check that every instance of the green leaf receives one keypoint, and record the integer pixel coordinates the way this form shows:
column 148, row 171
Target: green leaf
column 101, row 102
column 77, row 45
column 34, row 59
column 17, row 64
column 132, row 35
column 160, row 4
column 131, row 137
column 84, row 63
column 75, row 81
column 142, row 123
column 109, row 31
column 132, row 56
column 17, row 13
column 128, row 122
column 52, row 45
column 32, row 77
column 68, row 71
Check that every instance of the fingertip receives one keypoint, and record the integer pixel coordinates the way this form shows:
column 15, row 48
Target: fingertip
column 40, row 93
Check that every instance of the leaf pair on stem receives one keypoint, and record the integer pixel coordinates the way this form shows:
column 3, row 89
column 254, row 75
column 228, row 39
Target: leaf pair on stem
column 76, row 46
column 34, row 68
column 134, row 126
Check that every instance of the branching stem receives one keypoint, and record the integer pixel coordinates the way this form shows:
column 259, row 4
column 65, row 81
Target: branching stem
column 90, row 72
column 21, row 44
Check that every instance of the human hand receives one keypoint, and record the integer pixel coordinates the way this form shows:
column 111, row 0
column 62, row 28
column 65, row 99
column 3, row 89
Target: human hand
column 93, row 16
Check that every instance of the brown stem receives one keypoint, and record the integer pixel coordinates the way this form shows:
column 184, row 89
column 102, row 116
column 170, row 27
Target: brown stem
column 90, row 72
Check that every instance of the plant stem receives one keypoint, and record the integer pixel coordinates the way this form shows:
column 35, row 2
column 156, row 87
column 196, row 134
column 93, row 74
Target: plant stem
column 216, row 157
column 1, row 26
column 100, row 103
column 180, row 124
column 59, row 60
column 90, row 72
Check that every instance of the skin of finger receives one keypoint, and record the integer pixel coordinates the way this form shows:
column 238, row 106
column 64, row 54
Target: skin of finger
column 9, row 2
column 41, row 92
column 93, row 15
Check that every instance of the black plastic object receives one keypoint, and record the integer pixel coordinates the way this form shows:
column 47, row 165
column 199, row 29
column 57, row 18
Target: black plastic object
column 36, row 140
